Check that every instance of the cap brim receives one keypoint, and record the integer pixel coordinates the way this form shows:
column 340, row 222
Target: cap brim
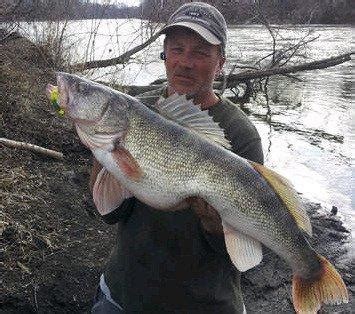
column 203, row 32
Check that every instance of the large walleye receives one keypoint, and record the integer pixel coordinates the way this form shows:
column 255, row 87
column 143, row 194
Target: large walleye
column 173, row 152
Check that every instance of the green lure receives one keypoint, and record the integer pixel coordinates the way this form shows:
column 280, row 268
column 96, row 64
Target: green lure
column 54, row 98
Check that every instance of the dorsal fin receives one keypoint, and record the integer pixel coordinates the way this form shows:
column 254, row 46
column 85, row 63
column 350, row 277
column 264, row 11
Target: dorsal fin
column 284, row 189
column 186, row 113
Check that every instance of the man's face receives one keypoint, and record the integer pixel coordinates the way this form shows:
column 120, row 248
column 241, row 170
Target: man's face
column 191, row 63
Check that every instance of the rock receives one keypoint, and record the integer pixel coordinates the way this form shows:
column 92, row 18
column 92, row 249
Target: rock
column 334, row 210
column 267, row 287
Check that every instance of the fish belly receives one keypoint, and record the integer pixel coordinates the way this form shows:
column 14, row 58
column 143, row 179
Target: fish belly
column 156, row 188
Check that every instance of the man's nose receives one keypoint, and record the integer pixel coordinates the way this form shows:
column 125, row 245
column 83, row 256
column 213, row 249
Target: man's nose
column 186, row 60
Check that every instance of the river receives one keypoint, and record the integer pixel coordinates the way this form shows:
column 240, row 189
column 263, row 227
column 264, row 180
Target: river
column 308, row 138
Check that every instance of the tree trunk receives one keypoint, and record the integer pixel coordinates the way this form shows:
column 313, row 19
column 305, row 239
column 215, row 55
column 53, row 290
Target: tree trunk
column 247, row 76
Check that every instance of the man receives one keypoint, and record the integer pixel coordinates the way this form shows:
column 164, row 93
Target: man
column 175, row 261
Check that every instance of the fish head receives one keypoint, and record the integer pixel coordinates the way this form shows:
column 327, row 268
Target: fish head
column 90, row 103
column 85, row 101
column 94, row 108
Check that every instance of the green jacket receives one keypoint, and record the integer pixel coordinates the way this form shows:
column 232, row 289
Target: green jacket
column 165, row 262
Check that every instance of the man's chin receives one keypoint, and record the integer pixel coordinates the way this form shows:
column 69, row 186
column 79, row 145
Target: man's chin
column 182, row 90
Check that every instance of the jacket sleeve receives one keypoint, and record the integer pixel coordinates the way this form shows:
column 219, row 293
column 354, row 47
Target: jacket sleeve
column 252, row 150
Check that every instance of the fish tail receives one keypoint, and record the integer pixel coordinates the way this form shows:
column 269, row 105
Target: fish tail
column 328, row 287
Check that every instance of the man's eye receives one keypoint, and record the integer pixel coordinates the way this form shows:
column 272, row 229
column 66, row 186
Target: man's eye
column 202, row 53
column 177, row 49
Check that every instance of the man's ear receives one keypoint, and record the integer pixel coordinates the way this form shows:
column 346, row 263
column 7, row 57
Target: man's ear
column 163, row 56
column 219, row 66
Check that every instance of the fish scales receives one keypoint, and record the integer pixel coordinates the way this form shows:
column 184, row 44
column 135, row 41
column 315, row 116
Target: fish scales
column 183, row 164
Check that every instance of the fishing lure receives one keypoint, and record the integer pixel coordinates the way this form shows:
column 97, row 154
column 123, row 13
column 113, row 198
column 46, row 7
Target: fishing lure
column 54, row 99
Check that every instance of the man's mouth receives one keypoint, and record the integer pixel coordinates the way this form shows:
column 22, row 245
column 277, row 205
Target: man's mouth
column 183, row 77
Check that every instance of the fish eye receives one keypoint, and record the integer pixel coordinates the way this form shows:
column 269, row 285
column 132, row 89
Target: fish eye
column 82, row 87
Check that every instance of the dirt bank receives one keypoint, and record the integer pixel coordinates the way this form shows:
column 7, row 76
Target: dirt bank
column 54, row 245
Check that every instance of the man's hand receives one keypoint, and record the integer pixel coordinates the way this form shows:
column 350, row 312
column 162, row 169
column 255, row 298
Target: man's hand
column 209, row 217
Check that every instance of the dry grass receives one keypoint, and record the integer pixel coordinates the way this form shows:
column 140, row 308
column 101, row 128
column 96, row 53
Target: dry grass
column 47, row 218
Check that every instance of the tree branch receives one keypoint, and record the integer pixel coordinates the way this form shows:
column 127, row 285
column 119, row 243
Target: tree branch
column 123, row 58
column 246, row 76
column 319, row 64
column 31, row 147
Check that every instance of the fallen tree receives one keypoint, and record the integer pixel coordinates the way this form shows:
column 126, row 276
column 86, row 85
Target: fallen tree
column 314, row 65
column 232, row 80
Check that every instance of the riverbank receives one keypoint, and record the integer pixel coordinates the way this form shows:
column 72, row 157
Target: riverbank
column 55, row 244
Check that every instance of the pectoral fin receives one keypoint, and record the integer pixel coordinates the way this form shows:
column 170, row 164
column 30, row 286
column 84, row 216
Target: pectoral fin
column 108, row 193
column 127, row 163
column 284, row 189
column 244, row 251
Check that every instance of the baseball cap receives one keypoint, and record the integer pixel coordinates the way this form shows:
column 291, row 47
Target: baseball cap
column 202, row 18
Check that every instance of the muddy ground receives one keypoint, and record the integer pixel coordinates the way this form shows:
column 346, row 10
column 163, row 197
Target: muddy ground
column 53, row 243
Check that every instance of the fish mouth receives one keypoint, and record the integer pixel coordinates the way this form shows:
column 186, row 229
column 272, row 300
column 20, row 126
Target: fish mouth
column 63, row 92
column 49, row 90
column 62, row 100
column 58, row 95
